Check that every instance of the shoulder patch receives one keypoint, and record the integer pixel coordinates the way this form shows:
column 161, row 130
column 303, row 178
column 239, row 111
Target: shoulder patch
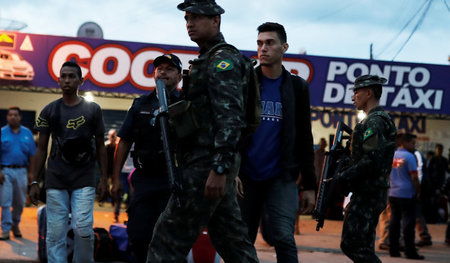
column 368, row 133
column 223, row 65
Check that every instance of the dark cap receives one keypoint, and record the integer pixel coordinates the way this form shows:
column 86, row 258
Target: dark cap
column 201, row 7
column 172, row 59
column 367, row 81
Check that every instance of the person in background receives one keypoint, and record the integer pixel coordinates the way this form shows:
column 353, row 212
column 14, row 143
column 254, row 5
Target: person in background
column 124, row 196
column 446, row 193
column 421, row 224
column 16, row 151
column 405, row 189
column 110, row 145
column 319, row 156
column 77, row 131
column 208, row 156
column 367, row 176
column 280, row 153
column 151, row 189
column 437, row 168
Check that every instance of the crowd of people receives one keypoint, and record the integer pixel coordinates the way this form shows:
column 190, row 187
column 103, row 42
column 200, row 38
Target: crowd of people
column 227, row 181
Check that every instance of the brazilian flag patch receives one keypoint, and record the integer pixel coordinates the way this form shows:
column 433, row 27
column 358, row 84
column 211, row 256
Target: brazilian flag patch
column 368, row 133
column 224, row 65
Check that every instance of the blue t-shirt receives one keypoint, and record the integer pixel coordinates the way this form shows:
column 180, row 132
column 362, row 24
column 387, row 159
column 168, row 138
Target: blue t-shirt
column 401, row 182
column 17, row 148
column 264, row 151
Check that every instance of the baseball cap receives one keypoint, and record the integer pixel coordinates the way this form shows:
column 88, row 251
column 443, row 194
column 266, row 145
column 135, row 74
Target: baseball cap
column 367, row 81
column 201, row 7
column 172, row 59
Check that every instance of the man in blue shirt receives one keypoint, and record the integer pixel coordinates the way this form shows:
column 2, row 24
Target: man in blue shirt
column 280, row 151
column 405, row 188
column 17, row 148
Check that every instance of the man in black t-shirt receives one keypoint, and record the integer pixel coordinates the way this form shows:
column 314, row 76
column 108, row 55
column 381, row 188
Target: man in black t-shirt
column 75, row 126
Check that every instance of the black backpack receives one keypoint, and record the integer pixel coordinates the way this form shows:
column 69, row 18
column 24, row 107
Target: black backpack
column 105, row 249
column 252, row 92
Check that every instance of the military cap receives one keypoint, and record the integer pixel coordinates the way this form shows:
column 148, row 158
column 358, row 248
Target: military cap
column 172, row 59
column 201, row 7
column 367, row 81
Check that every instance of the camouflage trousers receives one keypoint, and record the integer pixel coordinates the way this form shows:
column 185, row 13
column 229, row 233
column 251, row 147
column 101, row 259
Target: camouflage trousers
column 360, row 222
column 178, row 227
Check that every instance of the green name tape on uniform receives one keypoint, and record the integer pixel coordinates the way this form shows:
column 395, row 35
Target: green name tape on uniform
column 368, row 133
column 224, row 65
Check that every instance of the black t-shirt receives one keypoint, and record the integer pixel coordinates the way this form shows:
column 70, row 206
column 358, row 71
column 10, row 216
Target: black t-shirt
column 83, row 120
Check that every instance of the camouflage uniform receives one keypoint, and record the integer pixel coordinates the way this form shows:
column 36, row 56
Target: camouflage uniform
column 216, row 92
column 372, row 147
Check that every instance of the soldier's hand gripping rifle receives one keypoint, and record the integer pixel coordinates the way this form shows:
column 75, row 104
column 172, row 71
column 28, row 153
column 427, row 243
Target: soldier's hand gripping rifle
column 334, row 161
column 164, row 124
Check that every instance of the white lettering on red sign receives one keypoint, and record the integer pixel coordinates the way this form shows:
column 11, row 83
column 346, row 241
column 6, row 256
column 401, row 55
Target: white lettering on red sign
column 112, row 65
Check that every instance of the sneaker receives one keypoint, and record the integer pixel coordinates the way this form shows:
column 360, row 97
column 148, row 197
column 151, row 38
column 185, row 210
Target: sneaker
column 423, row 243
column 394, row 254
column 16, row 231
column 4, row 236
column 383, row 246
column 415, row 256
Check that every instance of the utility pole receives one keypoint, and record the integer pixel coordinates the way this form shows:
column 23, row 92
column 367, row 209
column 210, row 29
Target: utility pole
column 371, row 51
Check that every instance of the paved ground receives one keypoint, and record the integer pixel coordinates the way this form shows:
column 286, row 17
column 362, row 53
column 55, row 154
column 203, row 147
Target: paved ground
column 313, row 246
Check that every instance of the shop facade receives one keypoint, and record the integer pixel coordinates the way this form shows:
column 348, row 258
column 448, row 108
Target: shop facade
column 117, row 71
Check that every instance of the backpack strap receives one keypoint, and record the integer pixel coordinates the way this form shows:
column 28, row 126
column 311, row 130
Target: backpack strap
column 54, row 120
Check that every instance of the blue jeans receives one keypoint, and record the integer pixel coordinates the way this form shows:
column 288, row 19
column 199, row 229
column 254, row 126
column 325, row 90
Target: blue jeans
column 80, row 203
column 13, row 193
column 277, row 198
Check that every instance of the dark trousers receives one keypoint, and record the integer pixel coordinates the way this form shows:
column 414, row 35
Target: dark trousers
column 178, row 228
column 359, row 228
column 277, row 198
column 149, row 199
column 403, row 216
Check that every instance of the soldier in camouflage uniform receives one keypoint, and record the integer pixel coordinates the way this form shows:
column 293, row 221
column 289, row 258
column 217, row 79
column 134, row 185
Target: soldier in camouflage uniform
column 209, row 157
column 367, row 177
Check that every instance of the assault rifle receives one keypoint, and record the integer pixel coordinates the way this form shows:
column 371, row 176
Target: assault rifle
column 334, row 161
column 164, row 124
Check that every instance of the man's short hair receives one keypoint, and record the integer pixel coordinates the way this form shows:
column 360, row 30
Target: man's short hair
column 405, row 137
column 15, row 108
column 73, row 65
column 278, row 28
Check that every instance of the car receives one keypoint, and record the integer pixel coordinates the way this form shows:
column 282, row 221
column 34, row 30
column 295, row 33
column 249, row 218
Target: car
column 14, row 67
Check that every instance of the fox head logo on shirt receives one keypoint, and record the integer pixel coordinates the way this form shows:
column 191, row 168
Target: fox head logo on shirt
column 76, row 123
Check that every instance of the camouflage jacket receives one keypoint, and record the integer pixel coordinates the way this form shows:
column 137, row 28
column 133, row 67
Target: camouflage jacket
column 215, row 90
column 372, row 152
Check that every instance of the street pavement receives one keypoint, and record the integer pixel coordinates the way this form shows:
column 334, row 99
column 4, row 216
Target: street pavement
column 313, row 246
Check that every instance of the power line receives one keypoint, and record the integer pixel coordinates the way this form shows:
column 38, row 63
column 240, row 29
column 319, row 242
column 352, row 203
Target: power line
column 415, row 28
column 445, row 3
column 403, row 28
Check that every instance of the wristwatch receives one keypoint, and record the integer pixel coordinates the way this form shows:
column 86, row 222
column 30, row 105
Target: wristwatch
column 219, row 169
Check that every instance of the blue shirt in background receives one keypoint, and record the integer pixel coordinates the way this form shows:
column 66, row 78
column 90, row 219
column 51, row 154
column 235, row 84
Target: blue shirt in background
column 401, row 182
column 264, row 152
column 16, row 148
